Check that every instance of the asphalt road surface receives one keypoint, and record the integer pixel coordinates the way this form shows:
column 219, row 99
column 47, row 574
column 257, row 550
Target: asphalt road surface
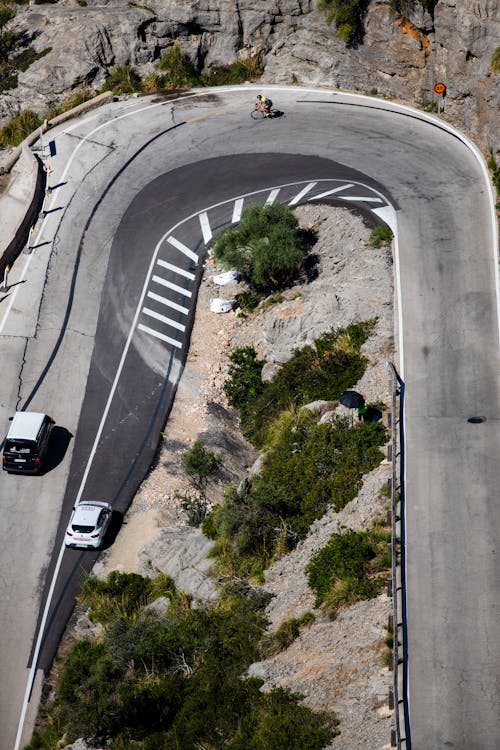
column 141, row 187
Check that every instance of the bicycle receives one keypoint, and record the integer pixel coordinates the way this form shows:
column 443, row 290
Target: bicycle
column 259, row 112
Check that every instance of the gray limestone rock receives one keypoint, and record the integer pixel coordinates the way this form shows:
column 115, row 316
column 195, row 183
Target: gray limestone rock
column 181, row 552
column 399, row 57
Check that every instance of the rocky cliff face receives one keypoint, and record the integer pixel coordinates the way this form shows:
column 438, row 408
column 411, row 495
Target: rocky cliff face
column 400, row 57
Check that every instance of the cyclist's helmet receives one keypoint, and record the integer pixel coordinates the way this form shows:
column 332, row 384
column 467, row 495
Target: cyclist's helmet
column 259, row 97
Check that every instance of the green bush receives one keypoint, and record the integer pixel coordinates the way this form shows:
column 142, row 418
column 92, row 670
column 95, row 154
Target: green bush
column 18, row 128
column 349, row 568
column 380, row 235
column 266, row 247
column 320, row 371
column 72, row 100
column 495, row 169
column 247, row 301
column 200, row 463
column 121, row 594
column 308, row 468
column 178, row 681
column 122, row 80
column 244, row 382
column 348, row 16
column 284, row 636
column 239, row 72
column 495, row 60
column 178, row 70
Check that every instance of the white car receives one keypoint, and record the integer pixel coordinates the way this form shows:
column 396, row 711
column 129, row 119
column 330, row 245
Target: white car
column 88, row 524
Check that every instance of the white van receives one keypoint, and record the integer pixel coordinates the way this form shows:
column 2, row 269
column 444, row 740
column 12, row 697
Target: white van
column 26, row 444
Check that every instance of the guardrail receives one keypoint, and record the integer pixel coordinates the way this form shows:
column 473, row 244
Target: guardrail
column 400, row 736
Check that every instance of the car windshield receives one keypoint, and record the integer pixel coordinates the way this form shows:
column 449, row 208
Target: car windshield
column 18, row 446
column 80, row 529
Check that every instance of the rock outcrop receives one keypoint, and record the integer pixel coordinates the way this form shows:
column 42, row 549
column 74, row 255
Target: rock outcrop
column 399, row 58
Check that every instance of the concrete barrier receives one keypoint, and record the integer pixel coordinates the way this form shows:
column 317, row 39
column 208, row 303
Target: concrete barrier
column 20, row 205
column 21, row 201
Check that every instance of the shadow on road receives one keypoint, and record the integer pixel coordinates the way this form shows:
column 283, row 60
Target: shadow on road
column 59, row 440
column 114, row 528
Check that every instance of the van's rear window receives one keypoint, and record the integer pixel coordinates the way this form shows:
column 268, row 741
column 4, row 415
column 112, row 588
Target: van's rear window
column 19, row 446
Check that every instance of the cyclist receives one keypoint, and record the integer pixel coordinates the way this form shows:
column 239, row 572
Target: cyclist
column 265, row 103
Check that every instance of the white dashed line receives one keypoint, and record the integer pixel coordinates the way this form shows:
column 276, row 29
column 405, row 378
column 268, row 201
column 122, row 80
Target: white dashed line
column 180, row 246
column 163, row 319
column 272, row 196
column 238, row 208
column 331, row 192
column 205, row 227
column 171, row 285
column 364, row 198
column 303, row 192
column 176, row 269
column 159, row 335
column 168, row 303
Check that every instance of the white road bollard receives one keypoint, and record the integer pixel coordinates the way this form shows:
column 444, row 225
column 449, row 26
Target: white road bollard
column 5, row 282
column 30, row 237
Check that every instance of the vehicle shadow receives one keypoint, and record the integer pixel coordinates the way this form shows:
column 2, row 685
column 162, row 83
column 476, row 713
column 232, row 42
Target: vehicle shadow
column 58, row 445
column 113, row 529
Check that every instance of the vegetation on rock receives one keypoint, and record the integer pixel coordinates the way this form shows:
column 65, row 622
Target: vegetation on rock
column 123, row 80
column 318, row 371
column 495, row 60
column 266, row 247
column 351, row 566
column 177, row 681
column 200, row 464
column 348, row 17
column 18, row 128
column 380, row 235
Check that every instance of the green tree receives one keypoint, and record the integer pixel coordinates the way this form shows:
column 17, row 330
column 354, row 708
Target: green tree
column 199, row 464
column 178, row 681
column 266, row 247
column 8, row 76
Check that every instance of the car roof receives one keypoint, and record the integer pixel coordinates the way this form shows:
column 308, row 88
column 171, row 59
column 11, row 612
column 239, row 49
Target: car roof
column 25, row 425
column 88, row 510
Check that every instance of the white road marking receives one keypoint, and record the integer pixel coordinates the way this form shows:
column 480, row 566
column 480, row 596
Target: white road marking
column 180, row 246
column 171, row 285
column 205, row 227
column 303, row 192
column 159, row 335
column 395, row 108
column 163, row 319
column 238, row 208
column 346, row 186
column 272, row 196
column 168, row 303
column 176, row 269
column 388, row 215
column 362, row 198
